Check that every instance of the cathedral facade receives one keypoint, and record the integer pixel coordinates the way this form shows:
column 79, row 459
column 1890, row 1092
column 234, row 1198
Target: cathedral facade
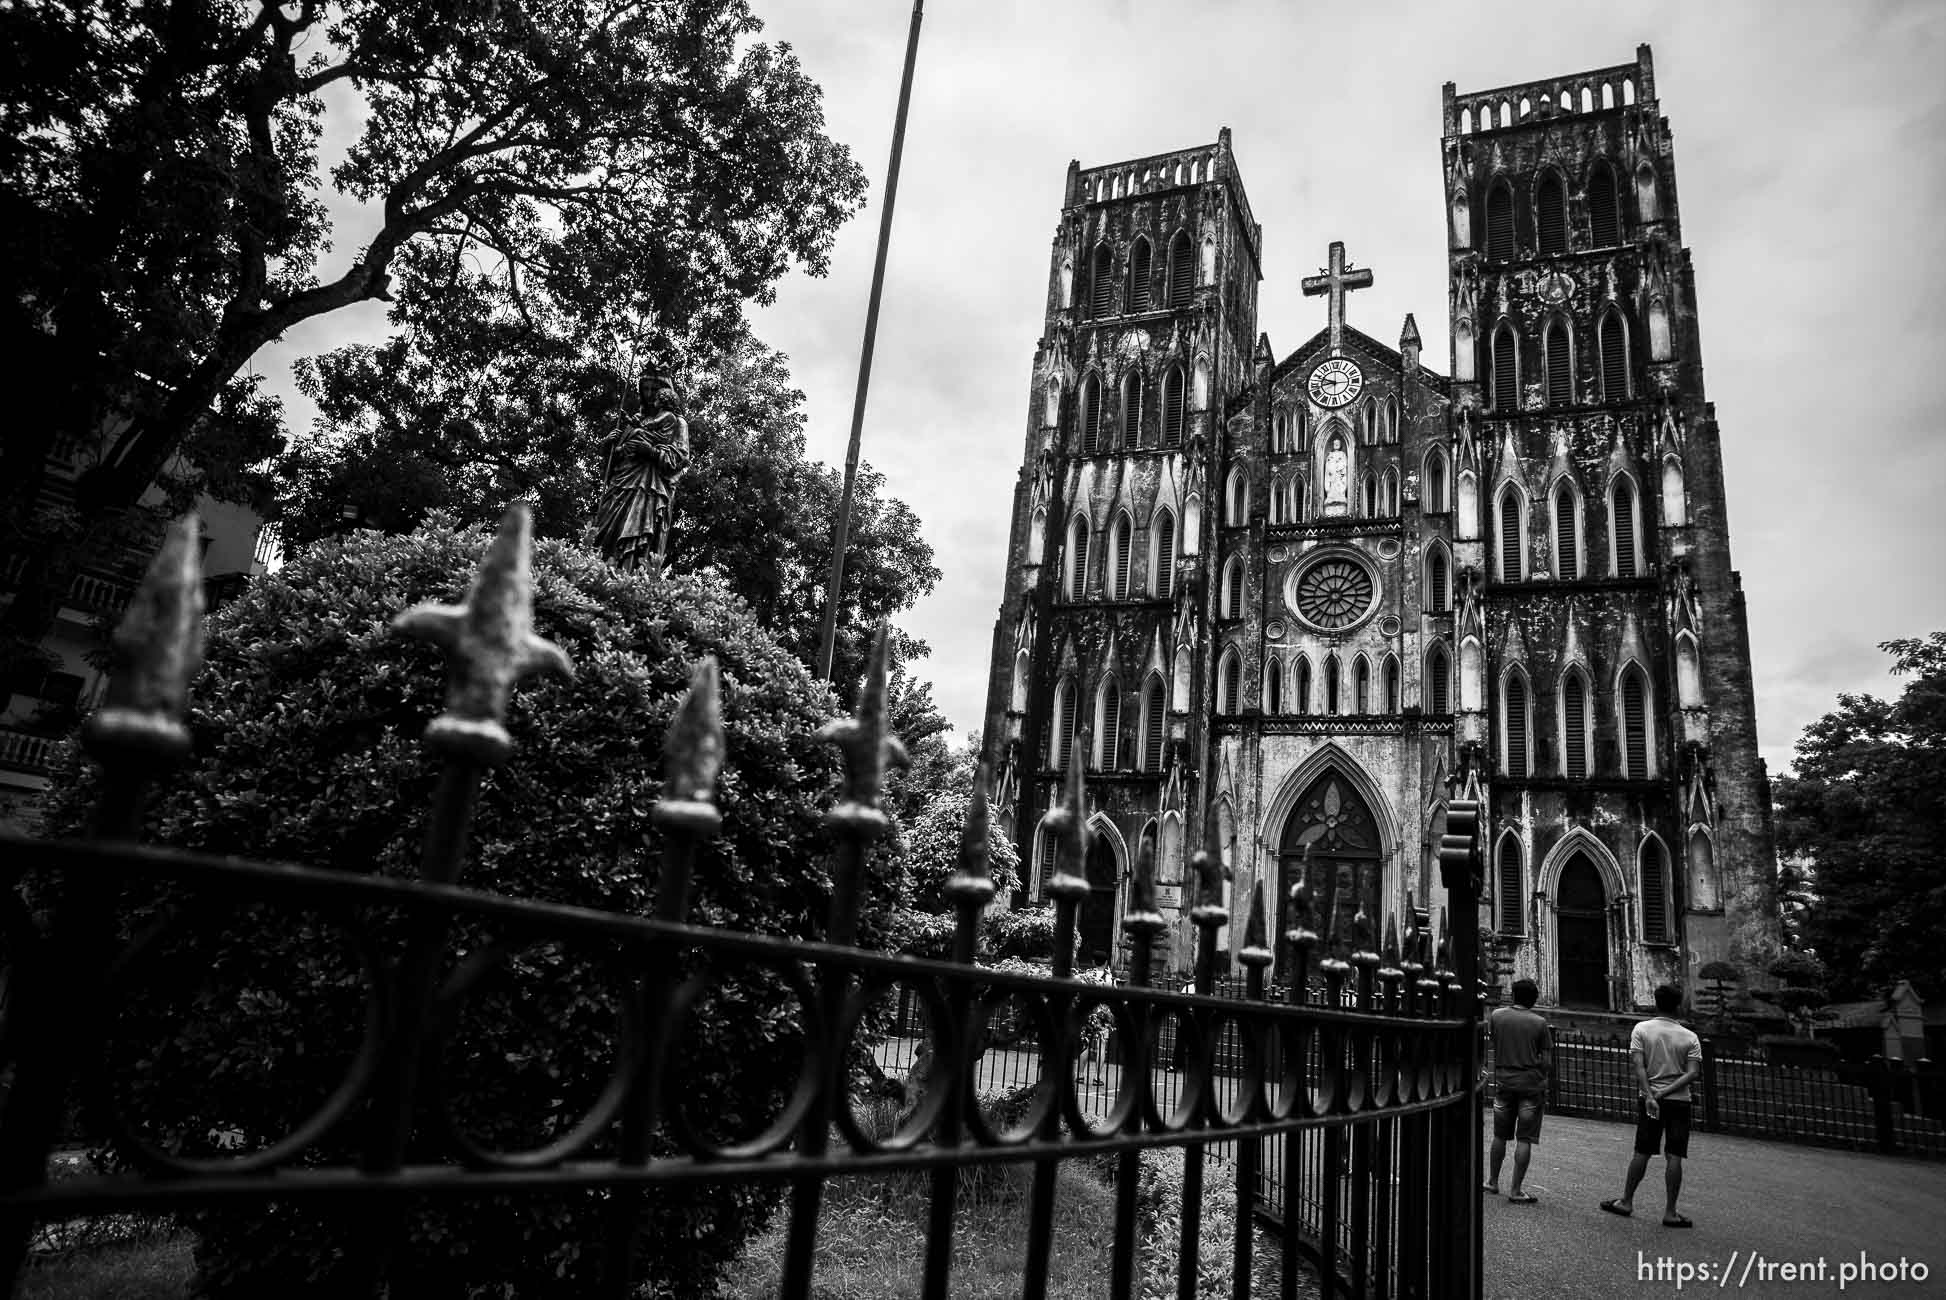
column 1321, row 594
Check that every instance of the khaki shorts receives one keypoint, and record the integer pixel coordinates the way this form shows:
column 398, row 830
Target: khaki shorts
column 1517, row 1114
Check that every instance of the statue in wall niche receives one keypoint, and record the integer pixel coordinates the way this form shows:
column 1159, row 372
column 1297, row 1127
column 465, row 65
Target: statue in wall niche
column 648, row 452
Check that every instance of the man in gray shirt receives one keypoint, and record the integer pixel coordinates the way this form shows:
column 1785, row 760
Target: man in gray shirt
column 1668, row 1057
column 1523, row 1053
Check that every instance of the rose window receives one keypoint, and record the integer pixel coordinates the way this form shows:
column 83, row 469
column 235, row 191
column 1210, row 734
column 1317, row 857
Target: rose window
column 1334, row 593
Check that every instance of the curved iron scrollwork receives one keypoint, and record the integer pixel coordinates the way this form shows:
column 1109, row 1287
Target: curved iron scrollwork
column 1371, row 1073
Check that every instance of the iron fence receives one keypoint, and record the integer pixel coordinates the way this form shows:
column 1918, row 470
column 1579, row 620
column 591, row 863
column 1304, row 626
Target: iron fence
column 1878, row 1105
column 1355, row 1116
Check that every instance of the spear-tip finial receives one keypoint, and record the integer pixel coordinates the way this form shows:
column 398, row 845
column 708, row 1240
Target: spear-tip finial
column 1444, row 958
column 971, row 884
column 1068, row 820
column 866, row 746
column 1143, row 916
column 490, row 645
column 692, row 754
column 1256, row 934
column 1390, row 953
column 158, row 649
column 1210, row 873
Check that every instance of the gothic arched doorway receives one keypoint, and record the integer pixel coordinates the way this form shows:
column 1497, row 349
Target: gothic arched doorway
column 1096, row 923
column 1581, row 926
column 1337, row 828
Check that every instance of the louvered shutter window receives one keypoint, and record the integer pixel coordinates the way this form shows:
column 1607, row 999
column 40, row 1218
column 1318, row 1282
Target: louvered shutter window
column 1604, row 211
column 1182, row 269
column 1635, row 735
column 1510, row 536
column 1064, row 726
column 1500, row 224
column 1123, row 545
column 1331, row 684
column 1624, row 529
column 1655, row 894
column 1436, row 581
column 1567, row 563
column 1233, row 592
column 1078, row 561
column 1152, row 726
column 1506, row 377
column 1091, row 416
column 1303, row 685
column 1165, row 553
column 1110, row 726
column 1138, row 277
column 1172, row 409
column 1132, row 411
column 1574, row 728
column 1231, row 686
column 1553, row 215
column 1391, row 685
column 1102, row 287
column 1361, row 697
column 1516, row 725
column 1560, row 370
column 1513, row 911
column 1436, row 485
column 1614, row 359
column 1273, row 688
column 1439, row 683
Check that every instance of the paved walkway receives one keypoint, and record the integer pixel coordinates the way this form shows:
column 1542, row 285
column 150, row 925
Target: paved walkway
column 1774, row 1201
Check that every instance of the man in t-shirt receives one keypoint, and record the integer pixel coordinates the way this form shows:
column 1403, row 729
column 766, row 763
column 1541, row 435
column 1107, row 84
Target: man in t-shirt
column 1668, row 1058
column 1523, row 1052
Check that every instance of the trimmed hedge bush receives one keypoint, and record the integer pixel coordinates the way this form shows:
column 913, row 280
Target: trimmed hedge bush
column 307, row 720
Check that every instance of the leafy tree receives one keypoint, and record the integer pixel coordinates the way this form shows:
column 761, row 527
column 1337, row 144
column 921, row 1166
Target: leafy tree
column 484, row 409
column 162, row 221
column 1867, row 807
column 305, row 723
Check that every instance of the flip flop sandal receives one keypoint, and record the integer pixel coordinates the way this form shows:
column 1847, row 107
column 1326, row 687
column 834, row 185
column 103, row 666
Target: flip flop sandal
column 1489, row 1189
column 1678, row 1222
column 1522, row 1199
column 1616, row 1207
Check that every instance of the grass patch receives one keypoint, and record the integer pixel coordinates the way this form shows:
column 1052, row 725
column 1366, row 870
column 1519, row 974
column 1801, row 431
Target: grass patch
column 157, row 1269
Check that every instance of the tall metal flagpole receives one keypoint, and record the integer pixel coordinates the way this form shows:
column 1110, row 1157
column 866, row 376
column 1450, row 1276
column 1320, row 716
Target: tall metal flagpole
column 841, row 534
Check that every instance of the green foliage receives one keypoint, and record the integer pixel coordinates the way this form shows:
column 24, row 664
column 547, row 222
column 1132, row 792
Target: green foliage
column 928, row 853
column 1866, row 810
column 306, row 723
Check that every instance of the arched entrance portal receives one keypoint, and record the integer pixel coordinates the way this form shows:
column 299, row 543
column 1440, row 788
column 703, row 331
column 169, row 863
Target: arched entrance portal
column 1581, row 923
column 1342, row 869
column 1096, row 923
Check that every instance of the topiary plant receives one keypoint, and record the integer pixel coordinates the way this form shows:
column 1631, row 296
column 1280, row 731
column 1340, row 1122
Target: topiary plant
column 306, row 722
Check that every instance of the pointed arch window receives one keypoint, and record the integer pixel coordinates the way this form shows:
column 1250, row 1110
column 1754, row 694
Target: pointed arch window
column 1061, row 746
column 1439, row 579
column 1434, row 495
column 1361, row 685
column 1515, row 758
column 1551, row 212
column 1574, row 726
column 1604, row 205
column 1182, row 270
column 1138, row 276
column 1567, row 532
column 1512, row 543
column 1230, row 682
column 1233, row 589
column 1237, row 513
column 1654, row 866
column 1154, row 723
column 1162, row 551
column 1388, row 493
column 1077, row 575
column 1625, row 527
column 1637, row 750
column 1120, row 554
column 1131, row 430
column 1506, row 368
column 1331, row 684
column 1273, row 687
column 1299, row 496
column 1513, row 909
column 1101, row 282
column 1090, row 414
column 1108, row 725
column 1021, row 671
column 1613, row 340
column 1172, row 407
column 1391, row 412
column 1301, row 690
column 1560, row 364
column 1300, row 430
column 1439, row 681
column 1368, row 494
column 1500, row 222
column 1392, row 684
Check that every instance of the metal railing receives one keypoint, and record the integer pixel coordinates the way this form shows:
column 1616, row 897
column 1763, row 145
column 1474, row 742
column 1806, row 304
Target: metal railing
column 1359, row 1125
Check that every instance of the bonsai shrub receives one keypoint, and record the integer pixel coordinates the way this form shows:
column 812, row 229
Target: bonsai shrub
column 238, row 1021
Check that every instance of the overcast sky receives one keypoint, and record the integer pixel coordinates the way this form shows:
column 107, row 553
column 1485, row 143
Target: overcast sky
column 1810, row 146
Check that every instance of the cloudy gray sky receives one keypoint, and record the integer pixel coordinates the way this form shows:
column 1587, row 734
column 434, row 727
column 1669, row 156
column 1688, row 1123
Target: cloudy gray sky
column 1811, row 171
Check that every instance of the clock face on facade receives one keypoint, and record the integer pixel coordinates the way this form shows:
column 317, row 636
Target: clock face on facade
column 1336, row 382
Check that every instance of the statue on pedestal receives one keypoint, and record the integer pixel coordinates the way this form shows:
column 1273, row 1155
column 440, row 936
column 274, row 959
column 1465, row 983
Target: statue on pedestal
column 647, row 453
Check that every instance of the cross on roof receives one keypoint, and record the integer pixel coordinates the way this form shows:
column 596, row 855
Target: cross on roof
column 1337, row 282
